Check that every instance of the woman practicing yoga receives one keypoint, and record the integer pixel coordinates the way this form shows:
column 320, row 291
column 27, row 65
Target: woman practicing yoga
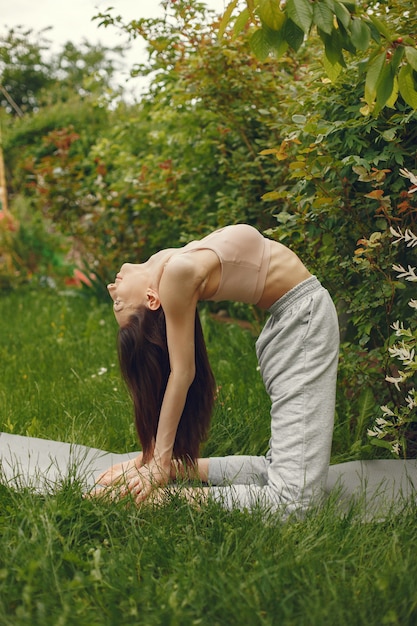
column 164, row 362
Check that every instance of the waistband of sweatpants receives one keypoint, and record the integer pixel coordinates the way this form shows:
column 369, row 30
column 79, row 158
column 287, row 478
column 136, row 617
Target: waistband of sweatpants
column 308, row 286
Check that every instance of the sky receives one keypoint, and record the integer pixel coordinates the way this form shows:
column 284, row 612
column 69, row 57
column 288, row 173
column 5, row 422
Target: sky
column 71, row 20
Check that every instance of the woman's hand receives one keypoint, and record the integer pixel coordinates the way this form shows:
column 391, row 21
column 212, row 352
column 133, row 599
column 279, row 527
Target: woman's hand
column 141, row 483
column 132, row 478
column 117, row 475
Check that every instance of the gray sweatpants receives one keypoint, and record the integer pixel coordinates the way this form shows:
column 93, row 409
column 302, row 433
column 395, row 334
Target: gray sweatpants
column 298, row 356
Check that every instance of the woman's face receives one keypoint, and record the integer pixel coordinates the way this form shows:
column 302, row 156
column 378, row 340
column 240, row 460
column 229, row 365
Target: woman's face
column 128, row 291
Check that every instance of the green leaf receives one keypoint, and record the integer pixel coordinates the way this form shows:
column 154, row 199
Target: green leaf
column 350, row 5
column 394, row 96
column 389, row 135
column 397, row 58
column 323, row 17
column 411, row 56
column 366, row 409
column 342, row 14
column 385, row 85
column 299, row 119
column 372, row 77
column 271, row 195
column 381, row 28
column 226, row 18
column 259, row 44
column 271, row 14
column 269, row 151
column 345, row 39
column 293, row 34
column 333, row 47
column 241, row 21
column 360, row 34
column 276, row 40
column 380, row 443
column 375, row 34
column 407, row 86
column 332, row 69
column 301, row 13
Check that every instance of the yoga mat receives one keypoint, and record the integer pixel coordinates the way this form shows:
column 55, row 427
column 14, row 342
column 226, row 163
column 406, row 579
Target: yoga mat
column 44, row 466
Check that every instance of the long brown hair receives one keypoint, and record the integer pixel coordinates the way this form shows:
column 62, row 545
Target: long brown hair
column 144, row 363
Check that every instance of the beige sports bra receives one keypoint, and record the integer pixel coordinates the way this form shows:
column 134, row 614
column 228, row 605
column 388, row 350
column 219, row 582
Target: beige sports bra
column 244, row 257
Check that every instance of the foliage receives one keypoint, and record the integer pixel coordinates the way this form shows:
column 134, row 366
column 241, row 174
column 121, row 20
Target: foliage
column 396, row 430
column 342, row 27
column 30, row 248
column 332, row 208
column 29, row 80
column 206, row 107
column 24, row 73
column 186, row 158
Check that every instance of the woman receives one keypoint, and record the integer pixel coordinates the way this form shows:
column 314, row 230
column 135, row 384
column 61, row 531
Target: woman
column 165, row 366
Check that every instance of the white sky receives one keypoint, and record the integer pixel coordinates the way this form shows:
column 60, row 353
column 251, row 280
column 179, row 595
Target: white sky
column 71, row 20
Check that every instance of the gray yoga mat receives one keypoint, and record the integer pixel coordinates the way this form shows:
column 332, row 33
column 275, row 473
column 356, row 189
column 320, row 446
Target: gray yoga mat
column 43, row 465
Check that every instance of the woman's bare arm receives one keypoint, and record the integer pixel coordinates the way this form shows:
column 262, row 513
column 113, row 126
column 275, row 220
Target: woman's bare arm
column 178, row 292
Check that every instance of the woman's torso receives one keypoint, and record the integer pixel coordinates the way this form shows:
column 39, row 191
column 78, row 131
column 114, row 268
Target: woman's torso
column 237, row 263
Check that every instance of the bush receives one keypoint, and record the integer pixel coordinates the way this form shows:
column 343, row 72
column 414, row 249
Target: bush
column 31, row 248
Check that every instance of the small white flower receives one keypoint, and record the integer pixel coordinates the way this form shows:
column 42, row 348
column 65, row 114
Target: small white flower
column 382, row 422
column 396, row 233
column 407, row 174
column 396, row 448
column 376, row 432
column 409, row 274
column 410, row 238
column 386, row 410
column 400, row 329
column 397, row 327
column 411, row 177
column 411, row 400
column 402, row 353
column 100, row 372
column 395, row 381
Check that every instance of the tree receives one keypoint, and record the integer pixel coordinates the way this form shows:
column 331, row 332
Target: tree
column 384, row 31
column 24, row 73
column 28, row 78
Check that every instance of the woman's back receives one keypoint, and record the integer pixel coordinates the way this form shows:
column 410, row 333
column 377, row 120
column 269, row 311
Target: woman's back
column 253, row 269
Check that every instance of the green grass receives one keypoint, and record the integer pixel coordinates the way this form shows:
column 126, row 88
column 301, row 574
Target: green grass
column 65, row 560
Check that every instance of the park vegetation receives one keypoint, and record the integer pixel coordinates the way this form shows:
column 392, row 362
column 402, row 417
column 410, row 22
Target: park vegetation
column 315, row 149
column 299, row 119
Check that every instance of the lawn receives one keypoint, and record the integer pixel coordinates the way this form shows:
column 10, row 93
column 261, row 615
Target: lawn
column 66, row 560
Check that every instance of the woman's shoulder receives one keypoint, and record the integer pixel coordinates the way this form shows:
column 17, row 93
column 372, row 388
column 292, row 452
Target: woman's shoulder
column 179, row 267
column 190, row 273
